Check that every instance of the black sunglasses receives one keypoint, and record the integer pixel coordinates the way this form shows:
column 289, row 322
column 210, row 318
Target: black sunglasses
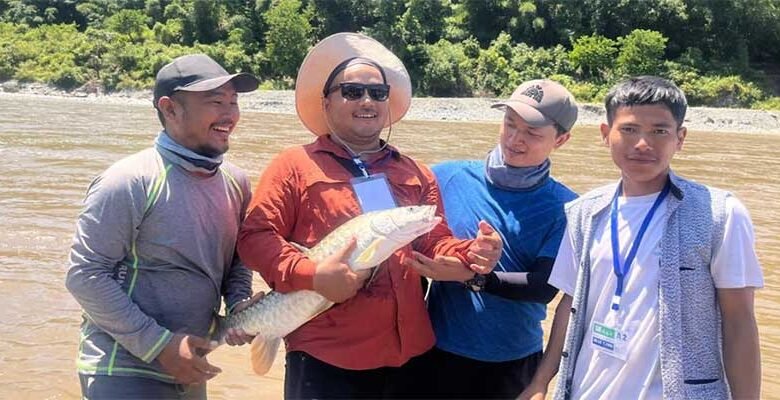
column 355, row 91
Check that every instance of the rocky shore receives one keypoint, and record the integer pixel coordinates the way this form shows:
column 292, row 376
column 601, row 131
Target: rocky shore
column 434, row 109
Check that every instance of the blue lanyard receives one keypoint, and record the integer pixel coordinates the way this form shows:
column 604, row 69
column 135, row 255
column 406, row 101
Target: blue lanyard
column 361, row 165
column 621, row 272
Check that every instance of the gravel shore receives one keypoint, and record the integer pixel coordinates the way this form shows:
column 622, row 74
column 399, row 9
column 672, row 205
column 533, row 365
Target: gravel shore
column 439, row 109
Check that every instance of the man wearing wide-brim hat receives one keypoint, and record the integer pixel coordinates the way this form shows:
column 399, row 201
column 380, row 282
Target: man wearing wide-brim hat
column 348, row 90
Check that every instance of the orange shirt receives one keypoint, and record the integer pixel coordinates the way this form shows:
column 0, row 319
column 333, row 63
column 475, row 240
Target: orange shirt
column 303, row 195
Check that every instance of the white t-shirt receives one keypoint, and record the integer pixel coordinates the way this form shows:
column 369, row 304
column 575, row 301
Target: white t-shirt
column 599, row 375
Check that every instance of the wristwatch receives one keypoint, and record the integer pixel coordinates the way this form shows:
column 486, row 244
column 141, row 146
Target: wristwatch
column 477, row 283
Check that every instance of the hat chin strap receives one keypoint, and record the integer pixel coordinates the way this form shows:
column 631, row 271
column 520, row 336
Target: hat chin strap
column 353, row 153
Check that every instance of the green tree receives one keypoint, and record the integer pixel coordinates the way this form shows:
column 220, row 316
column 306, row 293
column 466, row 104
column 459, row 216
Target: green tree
column 288, row 37
column 131, row 23
column 423, row 21
column 331, row 16
column 593, row 56
column 206, row 18
column 385, row 29
column 641, row 53
column 446, row 73
column 493, row 74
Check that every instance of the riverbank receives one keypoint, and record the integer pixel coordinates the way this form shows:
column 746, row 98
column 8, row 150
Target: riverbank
column 435, row 109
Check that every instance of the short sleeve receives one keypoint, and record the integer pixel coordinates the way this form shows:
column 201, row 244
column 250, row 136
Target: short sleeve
column 564, row 272
column 735, row 264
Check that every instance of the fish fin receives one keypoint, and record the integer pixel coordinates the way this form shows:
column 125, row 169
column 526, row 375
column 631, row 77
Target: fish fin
column 263, row 352
column 367, row 254
column 303, row 249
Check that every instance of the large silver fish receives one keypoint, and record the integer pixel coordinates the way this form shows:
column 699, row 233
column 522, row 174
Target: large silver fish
column 379, row 234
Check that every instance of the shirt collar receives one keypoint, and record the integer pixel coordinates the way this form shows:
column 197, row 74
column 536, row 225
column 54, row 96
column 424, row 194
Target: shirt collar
column 325, row 144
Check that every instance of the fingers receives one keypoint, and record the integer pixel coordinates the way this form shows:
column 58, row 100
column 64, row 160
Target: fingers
column 361, row 276
column 206, row 370
column 442, row 268
column 482, row 270
column 237, row 337
column 415, row 261
column 485, row 228
column 488, row 235
column 344, row 253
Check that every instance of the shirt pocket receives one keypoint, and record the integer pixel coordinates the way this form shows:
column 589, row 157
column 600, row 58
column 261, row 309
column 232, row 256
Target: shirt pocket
column 705, row 389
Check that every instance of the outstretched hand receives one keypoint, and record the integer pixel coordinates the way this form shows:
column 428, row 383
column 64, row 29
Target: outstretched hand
column 485, row 251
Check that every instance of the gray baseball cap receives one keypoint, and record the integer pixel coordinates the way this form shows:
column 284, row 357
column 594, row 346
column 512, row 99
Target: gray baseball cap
column 198, row 73
column 541, row 102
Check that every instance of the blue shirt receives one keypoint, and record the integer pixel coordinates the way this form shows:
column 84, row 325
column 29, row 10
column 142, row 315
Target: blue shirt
column 480, row 325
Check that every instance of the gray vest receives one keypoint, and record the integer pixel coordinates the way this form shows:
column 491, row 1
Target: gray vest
column 691, row 364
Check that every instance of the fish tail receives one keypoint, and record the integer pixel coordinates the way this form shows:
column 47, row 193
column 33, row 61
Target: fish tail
column 263, row 352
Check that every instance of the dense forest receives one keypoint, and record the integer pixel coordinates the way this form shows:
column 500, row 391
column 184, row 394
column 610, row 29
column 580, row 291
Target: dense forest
column 723, row 53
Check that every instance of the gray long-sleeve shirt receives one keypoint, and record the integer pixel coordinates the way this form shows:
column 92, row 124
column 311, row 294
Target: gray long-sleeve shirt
column 153, row 254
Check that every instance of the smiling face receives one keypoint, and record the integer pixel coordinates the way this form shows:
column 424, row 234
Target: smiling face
column 358, row 122
column 202, row 121
column 523, row 145
column 643, row 140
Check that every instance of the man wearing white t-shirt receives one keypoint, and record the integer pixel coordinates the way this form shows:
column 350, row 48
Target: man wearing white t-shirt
column 657, row 271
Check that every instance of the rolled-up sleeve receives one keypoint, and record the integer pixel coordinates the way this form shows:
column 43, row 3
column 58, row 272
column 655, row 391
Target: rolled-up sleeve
column 271, row 217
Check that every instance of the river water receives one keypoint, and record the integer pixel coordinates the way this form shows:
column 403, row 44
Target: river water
column 53, row 147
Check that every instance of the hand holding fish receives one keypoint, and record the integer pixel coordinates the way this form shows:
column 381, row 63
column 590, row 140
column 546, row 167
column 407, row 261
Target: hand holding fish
column 439, row 268
column 237, row 336
column 485, row 251
column 334, row 279
column 181, row 358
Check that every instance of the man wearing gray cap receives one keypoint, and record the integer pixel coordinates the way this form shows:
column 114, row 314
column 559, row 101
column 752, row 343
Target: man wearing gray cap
column 154, row 250
column 488, row 327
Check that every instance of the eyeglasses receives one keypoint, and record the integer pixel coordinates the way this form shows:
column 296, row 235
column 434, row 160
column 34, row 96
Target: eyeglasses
column 355, row 91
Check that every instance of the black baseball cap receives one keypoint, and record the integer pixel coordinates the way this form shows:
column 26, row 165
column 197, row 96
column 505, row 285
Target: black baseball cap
column 198, row 73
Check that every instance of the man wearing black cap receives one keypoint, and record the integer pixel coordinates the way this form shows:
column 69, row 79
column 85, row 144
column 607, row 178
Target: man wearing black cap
column 154, row 251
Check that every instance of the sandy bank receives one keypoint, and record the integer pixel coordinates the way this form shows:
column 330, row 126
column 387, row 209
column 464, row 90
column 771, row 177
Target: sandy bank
column 439, row 109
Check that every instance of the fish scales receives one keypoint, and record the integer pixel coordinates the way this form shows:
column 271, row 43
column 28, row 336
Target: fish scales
column 378, row 235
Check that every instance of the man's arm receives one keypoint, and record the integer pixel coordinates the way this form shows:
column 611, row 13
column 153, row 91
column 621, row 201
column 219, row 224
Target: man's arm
column 741, row 352
column 528, row 286
column 237, row 282
column 262, row 245
column 106, row 230
column 271, row 217
column 548, row 367
column 105, row 236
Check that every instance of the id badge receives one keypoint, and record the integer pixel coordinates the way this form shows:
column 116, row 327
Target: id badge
column 373, row 192
column 611, row 337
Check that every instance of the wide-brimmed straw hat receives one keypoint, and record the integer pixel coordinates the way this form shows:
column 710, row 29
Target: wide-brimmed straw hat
column 327, row 55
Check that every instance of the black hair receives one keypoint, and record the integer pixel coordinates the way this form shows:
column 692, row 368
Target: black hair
column 559, row 129
column 646, row 90
column 160, row 115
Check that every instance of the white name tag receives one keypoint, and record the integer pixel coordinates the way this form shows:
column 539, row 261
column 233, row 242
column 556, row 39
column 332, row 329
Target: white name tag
column 612, row 337
column 373, row 192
